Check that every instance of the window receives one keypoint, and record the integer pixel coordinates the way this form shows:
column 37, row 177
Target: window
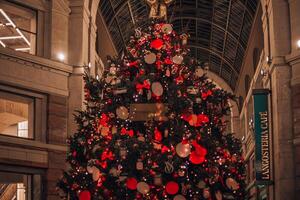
column 16, row 115
column 20, row 186
column 241, row 101
column 18, row 27
column 247, row 83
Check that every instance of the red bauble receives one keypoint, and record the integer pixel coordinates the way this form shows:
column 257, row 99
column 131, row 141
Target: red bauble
column 131, row 183
column 196, row 159
column 172, row 187
column 157, row 135
column 198, row 156
column 156, row 44
column 85, row 195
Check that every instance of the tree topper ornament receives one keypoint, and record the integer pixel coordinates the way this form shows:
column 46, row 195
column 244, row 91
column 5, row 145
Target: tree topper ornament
column 158, row 8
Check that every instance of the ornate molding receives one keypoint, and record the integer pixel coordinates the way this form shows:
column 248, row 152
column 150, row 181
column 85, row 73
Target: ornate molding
column 35, row 61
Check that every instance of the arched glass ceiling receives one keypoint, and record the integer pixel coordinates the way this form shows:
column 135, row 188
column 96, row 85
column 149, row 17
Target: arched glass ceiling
column 219, row 29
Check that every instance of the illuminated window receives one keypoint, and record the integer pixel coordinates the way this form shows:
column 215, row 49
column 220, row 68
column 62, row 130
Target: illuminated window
column 16, row 115
column 17, row 27
column 18, row 186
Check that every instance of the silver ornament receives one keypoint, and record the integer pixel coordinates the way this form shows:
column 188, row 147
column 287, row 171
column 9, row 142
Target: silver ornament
column 167, row 28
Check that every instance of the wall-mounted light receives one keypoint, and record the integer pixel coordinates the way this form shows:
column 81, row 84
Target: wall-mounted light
column 264, row 72
column 298, row 44
column 61, row 56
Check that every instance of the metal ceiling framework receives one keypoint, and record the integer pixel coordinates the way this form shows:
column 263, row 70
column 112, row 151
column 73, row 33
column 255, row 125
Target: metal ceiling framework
column 219, row 29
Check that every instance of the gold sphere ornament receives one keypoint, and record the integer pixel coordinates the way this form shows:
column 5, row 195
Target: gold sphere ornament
column 179, row 197
column 199, row 72
column 183, row 150
column 122, row 112
column 177, row 59
column 96, row 174
column 143, row 187
column 157, row 89
column 150, row 58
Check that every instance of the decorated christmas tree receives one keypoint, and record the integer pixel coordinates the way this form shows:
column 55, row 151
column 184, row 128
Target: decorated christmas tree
column 154, row 128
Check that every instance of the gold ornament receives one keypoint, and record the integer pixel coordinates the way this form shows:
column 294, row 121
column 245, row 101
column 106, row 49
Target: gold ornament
column 177, row 59
column 199, row 72
column 179, row 197
column 139, row 165
column 169, row 168
column 158, row 10
column 122, row 112
column 157, row 89
column 96, row 174
column 183, row 150
column 143, row 187
column 158, row 180
column 150, row 58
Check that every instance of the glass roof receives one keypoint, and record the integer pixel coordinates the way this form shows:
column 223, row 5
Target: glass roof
column 219, row 29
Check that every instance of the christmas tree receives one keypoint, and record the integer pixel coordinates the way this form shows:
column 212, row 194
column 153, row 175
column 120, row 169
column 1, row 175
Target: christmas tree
column 153, row 128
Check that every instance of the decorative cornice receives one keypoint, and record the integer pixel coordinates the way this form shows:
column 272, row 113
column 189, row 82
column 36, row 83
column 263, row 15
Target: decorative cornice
column 35, row 61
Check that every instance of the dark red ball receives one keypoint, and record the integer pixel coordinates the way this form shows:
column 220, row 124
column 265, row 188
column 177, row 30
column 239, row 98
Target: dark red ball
column 172, row 187
column 131, row 183
column 85, row 195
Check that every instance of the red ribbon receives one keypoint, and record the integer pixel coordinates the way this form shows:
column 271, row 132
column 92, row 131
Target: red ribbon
column 107, row 155
column 145, row 85
column 125, row 132
column 204, row 95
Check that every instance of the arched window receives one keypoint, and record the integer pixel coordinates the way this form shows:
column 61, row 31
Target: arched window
column 247, row 83
column 241, row 101
column 255, row 58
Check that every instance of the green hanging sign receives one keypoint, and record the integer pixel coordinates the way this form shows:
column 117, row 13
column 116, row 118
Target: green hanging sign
column 262, row 135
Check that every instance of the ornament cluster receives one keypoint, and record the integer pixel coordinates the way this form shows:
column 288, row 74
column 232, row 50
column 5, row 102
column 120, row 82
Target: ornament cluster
column 183, row 154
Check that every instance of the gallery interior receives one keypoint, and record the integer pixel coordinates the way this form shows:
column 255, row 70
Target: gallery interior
column 77, row 74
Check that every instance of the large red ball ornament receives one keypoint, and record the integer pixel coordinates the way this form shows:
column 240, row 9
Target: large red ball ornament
column 198, row 156
column 172, row 188
column 156, row 44
column 131, row 183
column 196, row 159
column 85, row 195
